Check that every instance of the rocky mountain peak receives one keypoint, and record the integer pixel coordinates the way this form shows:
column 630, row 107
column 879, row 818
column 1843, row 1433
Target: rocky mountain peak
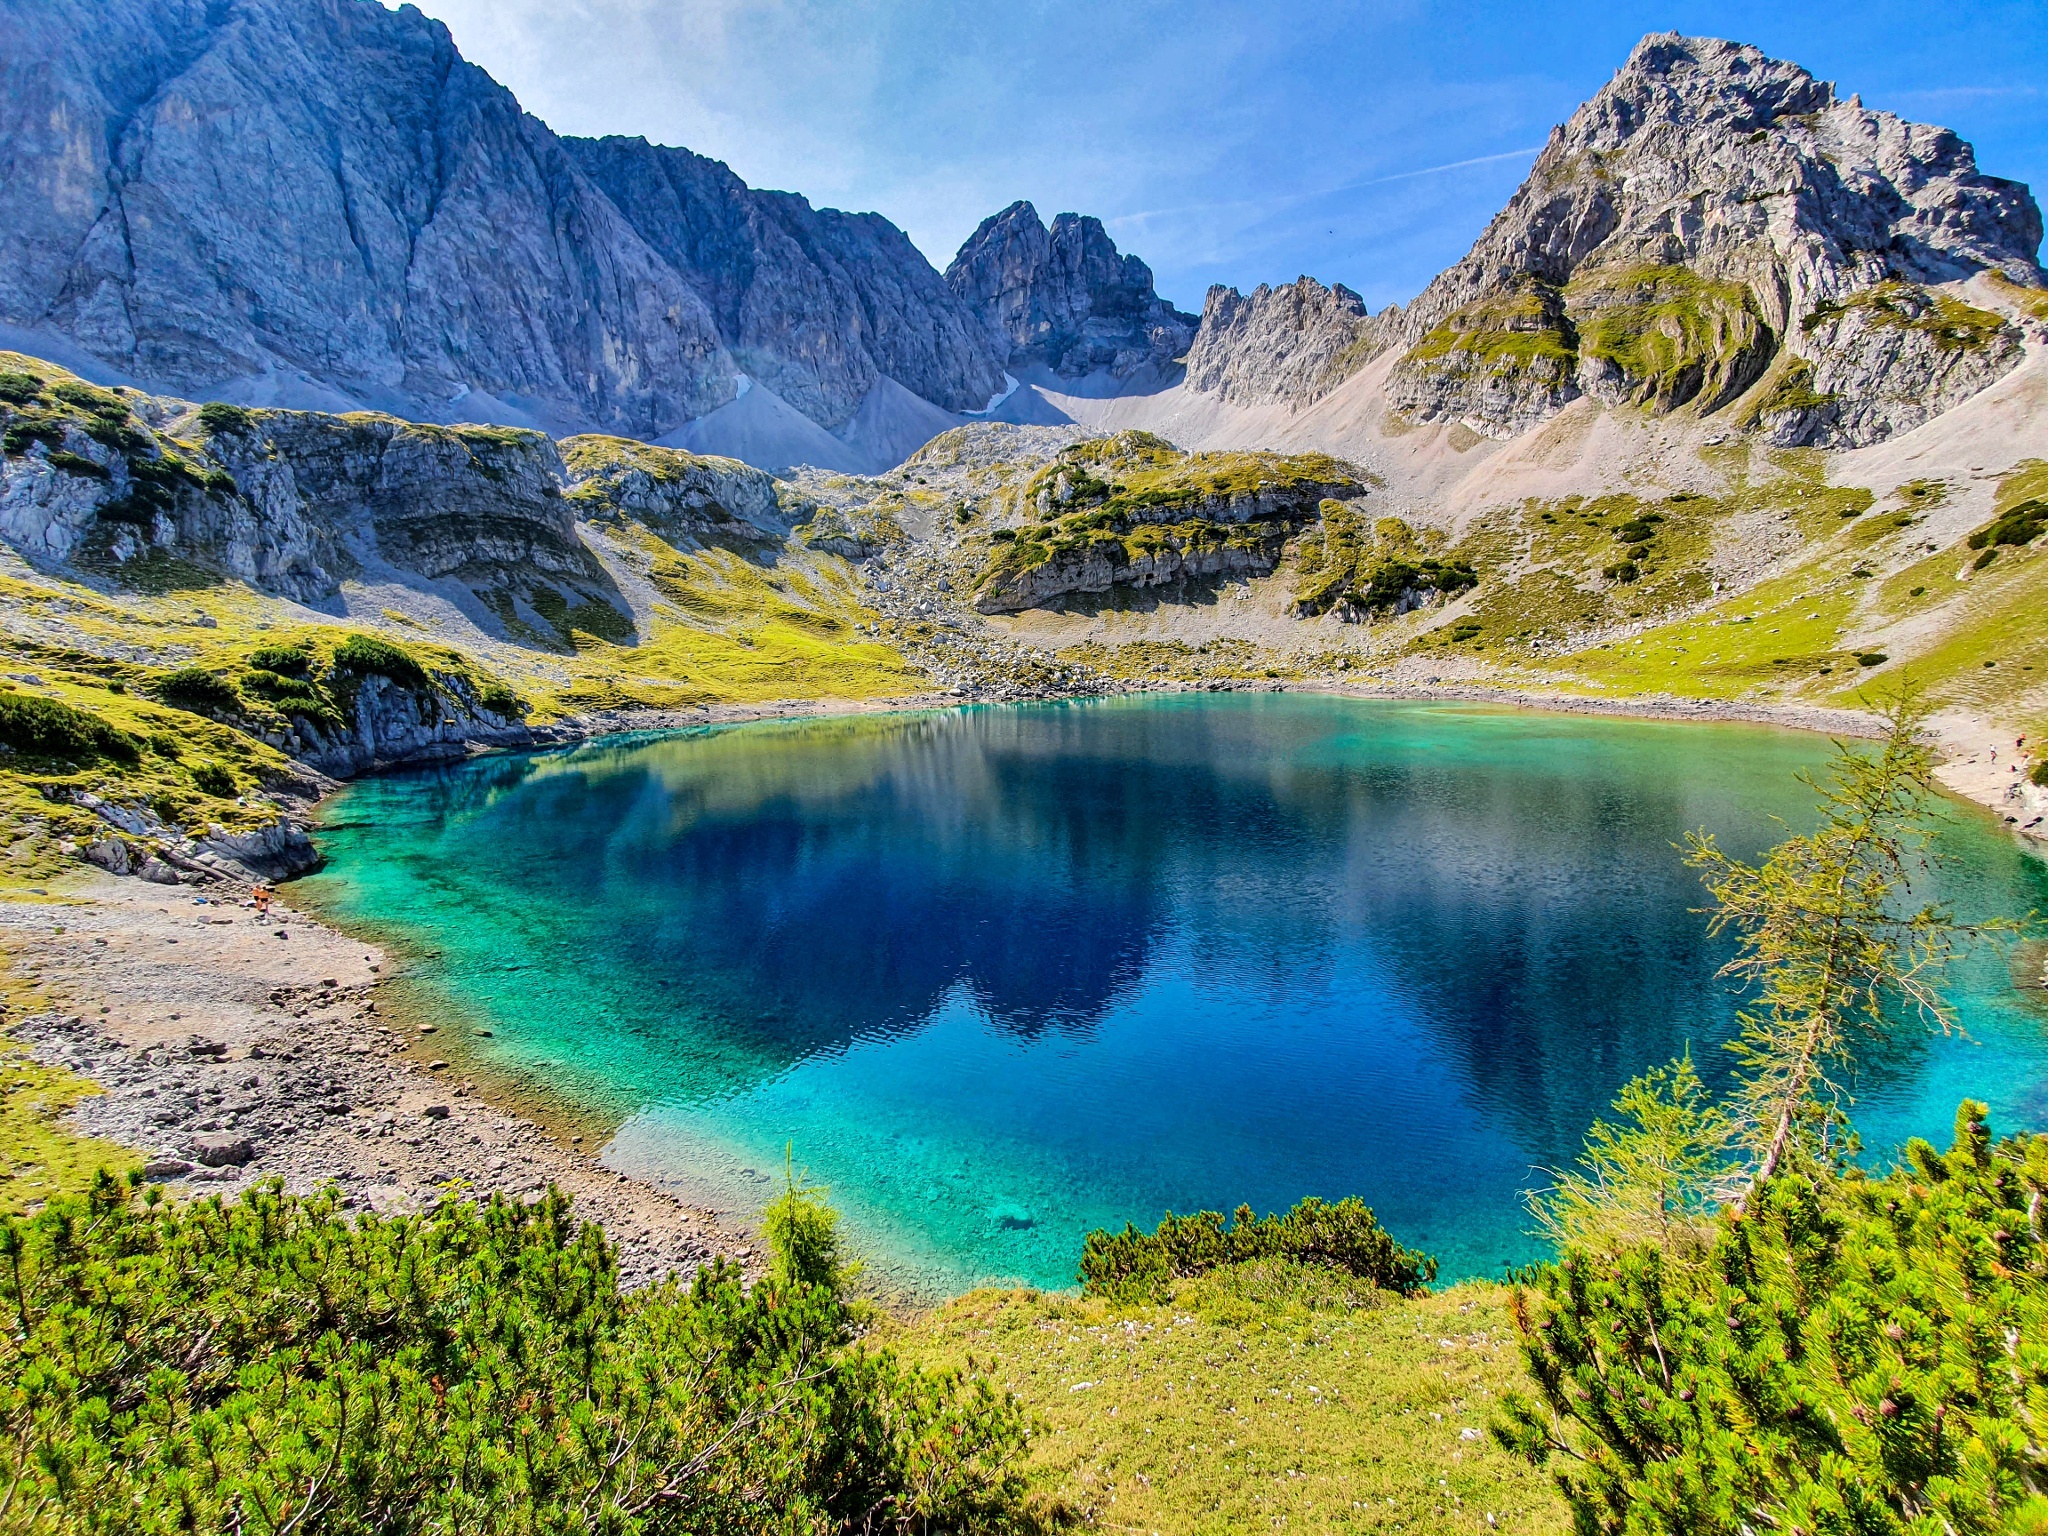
column 1064, row 298
column 318, row 203
column 1716, row 226
column 1694, row 82
column 816, row 304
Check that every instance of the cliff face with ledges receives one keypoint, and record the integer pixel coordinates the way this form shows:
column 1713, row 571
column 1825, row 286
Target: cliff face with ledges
column 1710, row 213
column 134, row 488
column 814, row 303
column 1293, row 343
column 1134, row 511
column 481, row 504
column 681, row 496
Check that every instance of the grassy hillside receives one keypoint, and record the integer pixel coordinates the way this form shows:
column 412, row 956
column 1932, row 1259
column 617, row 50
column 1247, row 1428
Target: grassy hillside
column 1784, row 585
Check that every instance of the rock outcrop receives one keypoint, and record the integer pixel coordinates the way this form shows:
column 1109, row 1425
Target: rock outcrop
column 294, row 502
column 1063, row 298
column 319, row 203
column 138, row 842
column 394, row 720
column 94, row 478
column 1294, row 343
column 483, row 505
column 681, row 496
column 1134, row 511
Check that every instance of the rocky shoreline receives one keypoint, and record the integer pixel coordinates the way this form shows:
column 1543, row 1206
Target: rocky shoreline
column 233, row 1045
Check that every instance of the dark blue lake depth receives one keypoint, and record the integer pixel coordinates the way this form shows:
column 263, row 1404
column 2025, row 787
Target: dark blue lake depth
column 1002, row 975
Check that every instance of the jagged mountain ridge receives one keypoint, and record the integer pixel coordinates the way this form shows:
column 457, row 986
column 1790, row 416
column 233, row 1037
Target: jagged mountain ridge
column 1713, row 225
column 817, row 304
column 1292, row 342
column 319, row 203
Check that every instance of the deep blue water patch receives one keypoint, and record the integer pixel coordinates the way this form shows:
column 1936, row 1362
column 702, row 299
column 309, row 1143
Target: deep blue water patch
column 1003, row 975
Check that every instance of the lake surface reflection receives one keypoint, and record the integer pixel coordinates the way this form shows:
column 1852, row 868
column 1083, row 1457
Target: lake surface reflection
column 1002, row 975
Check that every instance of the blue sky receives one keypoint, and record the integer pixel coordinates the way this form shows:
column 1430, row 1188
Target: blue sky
column 1364, row 143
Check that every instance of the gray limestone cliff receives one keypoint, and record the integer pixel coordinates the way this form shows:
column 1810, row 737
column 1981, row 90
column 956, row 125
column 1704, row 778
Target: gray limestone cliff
column 319, row 203
column 1133, row 511
column 1293, row 343
column 1713, row 226
column 684, row 497
column 1064, row 298
column 816, row 304
column 1714, row 219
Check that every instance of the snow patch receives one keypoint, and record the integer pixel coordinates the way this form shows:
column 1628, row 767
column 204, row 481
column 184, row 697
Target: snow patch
column 996, row 400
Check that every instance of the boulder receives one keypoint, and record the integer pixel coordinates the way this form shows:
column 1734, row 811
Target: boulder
column 223, row 1149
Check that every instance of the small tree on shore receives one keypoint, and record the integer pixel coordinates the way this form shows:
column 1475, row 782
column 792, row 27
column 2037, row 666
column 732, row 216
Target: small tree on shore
column 1833, row 951
column 802, row 1231
column 1831, row 1351
column 1653, row 1176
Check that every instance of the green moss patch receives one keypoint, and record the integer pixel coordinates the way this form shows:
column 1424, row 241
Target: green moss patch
column 1894, row 305
column 1789, row 390
column 1525, row 330
column 1674, row 337
column 593, row 454
column 2020, row 524
column 1371, row 572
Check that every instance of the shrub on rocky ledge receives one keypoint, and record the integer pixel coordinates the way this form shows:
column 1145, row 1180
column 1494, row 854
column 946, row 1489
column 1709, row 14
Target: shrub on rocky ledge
column 201, row 691
column 49, row 728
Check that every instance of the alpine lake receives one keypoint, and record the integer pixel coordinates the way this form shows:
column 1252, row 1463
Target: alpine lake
column 1001, row 975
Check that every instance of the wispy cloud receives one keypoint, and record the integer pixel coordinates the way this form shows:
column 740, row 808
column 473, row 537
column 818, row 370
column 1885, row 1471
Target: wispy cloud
column 1965, row 95
column 1297, row 199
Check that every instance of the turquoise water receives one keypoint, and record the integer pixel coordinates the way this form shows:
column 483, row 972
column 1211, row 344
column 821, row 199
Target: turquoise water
column 1006, row 974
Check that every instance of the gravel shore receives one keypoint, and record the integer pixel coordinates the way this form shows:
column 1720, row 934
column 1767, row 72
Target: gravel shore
column 234, row 1046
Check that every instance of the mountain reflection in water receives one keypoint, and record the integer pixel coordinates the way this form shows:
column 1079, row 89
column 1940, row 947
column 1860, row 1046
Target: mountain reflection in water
column 1006, row 973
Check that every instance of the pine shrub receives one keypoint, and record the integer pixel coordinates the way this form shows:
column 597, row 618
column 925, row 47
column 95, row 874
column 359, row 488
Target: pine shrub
column 1344, row 1235
column 367, row 656
column 272, row 1365
column 201, row 691
column 1859, row 1355
column 50, row 728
